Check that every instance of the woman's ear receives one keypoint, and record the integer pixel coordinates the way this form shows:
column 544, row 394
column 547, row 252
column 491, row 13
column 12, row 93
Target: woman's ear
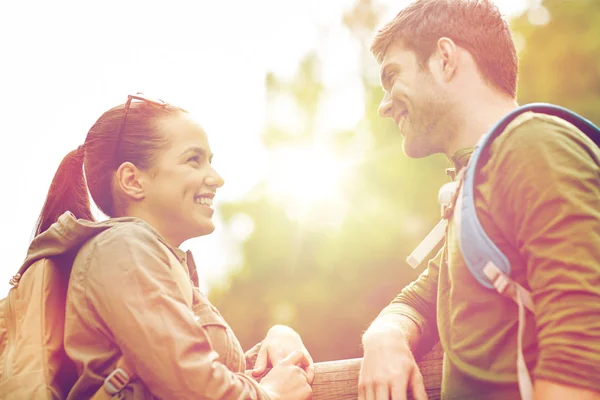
column 131, row 181
column 447, row 57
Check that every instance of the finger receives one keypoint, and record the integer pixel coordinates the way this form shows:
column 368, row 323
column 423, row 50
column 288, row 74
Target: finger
column 276, row 356
column 261, row 362
column 310, row 374
column 255, row 349
column 362, row 385
column 302, row 372
column 369, row 393
column 398, row 392
column 361, row 391
column 382, row 392
column 251, row 355
column 306, row 393
column 309, row 394
column 296, row 357
column 417, row 386
column 308, row 357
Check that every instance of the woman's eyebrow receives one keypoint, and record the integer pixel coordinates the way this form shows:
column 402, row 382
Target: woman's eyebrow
column 200, row 151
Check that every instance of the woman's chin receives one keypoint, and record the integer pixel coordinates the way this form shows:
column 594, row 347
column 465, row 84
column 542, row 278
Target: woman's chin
column 198, row 231
column 205, row 229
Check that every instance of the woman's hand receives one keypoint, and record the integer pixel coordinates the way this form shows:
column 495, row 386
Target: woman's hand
column 288, row 380
column 280, row 342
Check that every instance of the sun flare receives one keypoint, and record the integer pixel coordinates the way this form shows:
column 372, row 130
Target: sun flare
column 305, row 176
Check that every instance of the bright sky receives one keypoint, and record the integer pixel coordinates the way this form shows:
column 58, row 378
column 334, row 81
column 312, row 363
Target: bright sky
column 63, row 63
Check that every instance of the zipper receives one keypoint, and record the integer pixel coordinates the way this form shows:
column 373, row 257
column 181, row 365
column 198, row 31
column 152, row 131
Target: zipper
column 10, row 325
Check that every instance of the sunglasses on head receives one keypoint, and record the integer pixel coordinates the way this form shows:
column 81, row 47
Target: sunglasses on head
column 139, row 97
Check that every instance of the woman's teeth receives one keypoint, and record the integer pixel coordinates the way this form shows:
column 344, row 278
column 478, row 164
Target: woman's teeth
column 207, row 201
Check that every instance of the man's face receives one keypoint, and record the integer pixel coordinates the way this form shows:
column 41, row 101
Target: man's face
column 416, row 102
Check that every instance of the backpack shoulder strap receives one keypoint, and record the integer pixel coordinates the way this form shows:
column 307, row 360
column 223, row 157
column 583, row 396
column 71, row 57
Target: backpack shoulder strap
column 476, row 247
column 487, row 263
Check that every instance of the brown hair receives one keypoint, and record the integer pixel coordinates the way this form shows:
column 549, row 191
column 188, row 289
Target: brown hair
column 138, row 143
column 475, row 25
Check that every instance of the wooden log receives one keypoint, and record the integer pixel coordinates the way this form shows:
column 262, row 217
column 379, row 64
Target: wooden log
column 338, row 380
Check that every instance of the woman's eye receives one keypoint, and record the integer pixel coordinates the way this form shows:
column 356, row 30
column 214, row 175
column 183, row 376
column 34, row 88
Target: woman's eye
column 195, row 159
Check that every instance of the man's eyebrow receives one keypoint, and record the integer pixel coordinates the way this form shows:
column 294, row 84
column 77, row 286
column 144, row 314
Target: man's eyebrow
column 383, row 78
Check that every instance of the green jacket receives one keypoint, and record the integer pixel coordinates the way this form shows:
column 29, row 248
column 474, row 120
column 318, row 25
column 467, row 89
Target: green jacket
column 538, row 199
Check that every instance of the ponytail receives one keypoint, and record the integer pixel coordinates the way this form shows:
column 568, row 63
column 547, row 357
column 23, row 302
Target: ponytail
column 68, row 192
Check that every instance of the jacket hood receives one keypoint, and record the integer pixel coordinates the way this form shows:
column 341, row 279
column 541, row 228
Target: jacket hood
column 66, row 235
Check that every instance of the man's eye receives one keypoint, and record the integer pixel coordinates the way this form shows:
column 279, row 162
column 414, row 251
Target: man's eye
column 195, row 159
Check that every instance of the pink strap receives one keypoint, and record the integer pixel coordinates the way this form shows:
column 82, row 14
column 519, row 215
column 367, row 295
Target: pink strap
column 508, row 287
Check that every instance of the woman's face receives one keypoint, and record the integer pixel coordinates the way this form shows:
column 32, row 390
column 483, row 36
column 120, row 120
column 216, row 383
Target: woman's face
column 180, row 187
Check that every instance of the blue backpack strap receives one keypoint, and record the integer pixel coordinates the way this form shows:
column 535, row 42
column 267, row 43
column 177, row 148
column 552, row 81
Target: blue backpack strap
column 476, row 247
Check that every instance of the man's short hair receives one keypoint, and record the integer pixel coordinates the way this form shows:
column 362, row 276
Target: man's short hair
column 475, row 25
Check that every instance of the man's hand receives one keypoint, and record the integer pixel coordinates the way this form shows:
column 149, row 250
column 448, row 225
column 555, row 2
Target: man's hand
column 545, row 389
column 278, row 344
column 388, row 369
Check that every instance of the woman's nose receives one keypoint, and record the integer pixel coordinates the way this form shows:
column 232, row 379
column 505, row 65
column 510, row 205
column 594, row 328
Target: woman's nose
column 214, row 179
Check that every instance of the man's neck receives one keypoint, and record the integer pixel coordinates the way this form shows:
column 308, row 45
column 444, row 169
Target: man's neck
column 479, row 115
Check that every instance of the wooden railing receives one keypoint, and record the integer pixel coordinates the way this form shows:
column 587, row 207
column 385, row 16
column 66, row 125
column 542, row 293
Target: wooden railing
column 338, row 380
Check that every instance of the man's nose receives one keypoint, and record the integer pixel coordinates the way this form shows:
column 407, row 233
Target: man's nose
column 385, row 107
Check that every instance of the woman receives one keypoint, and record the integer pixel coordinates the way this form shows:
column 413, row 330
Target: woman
column 132, row 300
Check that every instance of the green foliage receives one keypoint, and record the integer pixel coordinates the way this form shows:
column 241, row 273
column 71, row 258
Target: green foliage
column 329, row 282
column 560, row 62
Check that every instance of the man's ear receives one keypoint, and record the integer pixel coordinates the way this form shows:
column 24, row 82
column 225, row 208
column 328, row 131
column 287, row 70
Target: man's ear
column 131, row 181
column 447, row 58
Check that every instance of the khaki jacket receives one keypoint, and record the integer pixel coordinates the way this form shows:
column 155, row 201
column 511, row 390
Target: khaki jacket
column 125, row 299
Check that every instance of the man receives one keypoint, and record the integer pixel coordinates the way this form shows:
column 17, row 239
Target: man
column 449, row 73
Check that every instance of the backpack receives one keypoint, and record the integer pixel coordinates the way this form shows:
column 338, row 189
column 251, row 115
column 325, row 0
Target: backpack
column 485, row 261
column 33, row 362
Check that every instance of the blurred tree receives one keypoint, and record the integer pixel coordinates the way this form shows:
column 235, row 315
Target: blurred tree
column 560, row 56
column 330, row 281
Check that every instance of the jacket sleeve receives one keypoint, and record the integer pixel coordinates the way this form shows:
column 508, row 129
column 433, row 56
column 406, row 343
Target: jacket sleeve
column 131, row 289
column 548, row 177
column 418, row 300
